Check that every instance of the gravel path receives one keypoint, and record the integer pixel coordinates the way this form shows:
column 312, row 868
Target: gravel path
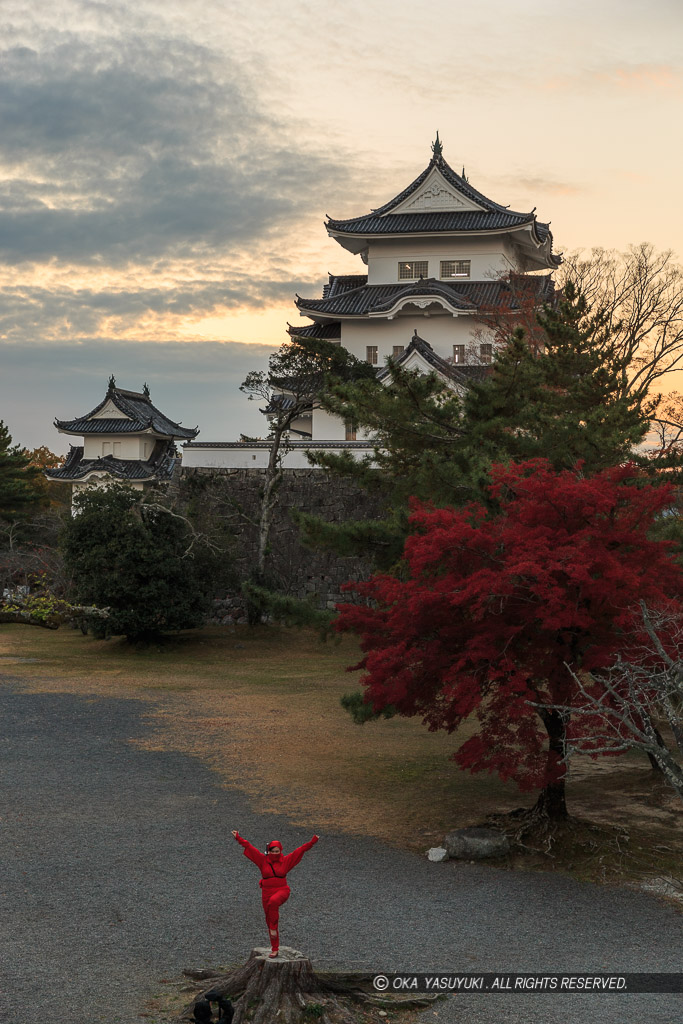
column 118, row 870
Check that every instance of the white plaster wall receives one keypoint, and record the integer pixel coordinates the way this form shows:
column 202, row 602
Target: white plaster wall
column 302, row 423
column 442, row 333
column 127, row 447
column 489, row 257
column 327, row 427
column 245, row 457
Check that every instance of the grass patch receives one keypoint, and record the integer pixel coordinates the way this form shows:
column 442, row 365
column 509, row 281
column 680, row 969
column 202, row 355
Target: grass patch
column 261, row 707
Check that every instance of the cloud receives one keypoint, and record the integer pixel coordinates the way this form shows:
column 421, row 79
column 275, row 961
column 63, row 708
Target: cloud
column 135, row 149
column 550, row 186
column 63, row 312
column 637, row 78
column 143, row 178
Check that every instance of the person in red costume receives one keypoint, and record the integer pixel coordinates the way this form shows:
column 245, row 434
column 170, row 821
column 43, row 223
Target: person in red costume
column 274, row 889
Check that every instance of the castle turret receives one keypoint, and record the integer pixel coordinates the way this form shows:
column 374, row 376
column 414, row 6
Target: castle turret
column 125, row 438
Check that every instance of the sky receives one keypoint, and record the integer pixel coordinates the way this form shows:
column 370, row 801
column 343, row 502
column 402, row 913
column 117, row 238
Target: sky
column 166, row 167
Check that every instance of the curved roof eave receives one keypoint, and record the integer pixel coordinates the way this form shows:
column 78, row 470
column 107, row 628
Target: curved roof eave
column 63, row 426
column 422, row 302
column 119, row 476
column 323, row 318
column 370, row 236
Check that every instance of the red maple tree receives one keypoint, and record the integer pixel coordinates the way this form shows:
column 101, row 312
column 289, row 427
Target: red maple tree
column 494, row 606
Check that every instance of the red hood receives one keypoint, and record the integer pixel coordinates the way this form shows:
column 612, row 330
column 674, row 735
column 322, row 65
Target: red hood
column 271, row 856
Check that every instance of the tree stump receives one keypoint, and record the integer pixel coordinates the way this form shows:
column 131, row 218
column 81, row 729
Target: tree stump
column 287, row 990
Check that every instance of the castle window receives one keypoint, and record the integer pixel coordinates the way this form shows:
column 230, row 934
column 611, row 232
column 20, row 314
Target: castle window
column 398, row 351
column 486, row 353
column 117, row 449
column 371, row 354
column 106, row 447
column 458, row 353
column 350, row 431
column 412, row 270
column 455, row 268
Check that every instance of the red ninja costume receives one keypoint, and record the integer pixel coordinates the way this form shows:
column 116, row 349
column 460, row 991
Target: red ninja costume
column 274, row 888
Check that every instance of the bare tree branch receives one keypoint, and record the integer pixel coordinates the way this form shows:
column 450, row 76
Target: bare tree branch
column 623, row 703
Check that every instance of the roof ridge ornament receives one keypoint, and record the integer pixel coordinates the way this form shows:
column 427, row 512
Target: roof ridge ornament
column 112, row 384
column 145, row 390
column 437, row 150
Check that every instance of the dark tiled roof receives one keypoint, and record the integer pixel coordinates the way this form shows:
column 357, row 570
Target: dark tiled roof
column 141, row 415
column 294, row 445
column 327, row 331
column 428, row 287
column 465, row 295
column 436, row 220
column 159, row 467
column 280, row 403
column 343, row 283
column 458, row 374
column 492, row 216
column 97, row 426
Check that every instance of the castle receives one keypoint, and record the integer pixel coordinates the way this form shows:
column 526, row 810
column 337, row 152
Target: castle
column 438, row 255
column 125, row 438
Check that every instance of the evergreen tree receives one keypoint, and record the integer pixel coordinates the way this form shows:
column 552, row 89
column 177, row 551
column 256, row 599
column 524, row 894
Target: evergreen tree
column 20, row 482
column 135, row 559
column 567, row 403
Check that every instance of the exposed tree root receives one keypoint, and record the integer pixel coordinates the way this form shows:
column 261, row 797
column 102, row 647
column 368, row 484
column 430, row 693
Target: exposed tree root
column 530, row 830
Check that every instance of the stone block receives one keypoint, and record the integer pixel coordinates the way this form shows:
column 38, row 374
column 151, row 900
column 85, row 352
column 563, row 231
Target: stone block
column 476, row 843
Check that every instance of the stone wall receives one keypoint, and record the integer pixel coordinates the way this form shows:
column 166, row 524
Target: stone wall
column 232, row 497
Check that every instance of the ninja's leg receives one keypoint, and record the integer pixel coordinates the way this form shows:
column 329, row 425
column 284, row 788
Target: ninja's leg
column 272, row 909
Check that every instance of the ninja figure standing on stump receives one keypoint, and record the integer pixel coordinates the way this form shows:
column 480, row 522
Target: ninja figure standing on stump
column 274, row 889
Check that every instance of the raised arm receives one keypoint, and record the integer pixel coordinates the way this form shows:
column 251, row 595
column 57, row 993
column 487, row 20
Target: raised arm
column 293, row 858
column 250, row 851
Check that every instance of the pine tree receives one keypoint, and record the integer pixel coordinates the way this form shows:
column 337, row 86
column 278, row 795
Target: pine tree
column 567, row 403
column 20, row 482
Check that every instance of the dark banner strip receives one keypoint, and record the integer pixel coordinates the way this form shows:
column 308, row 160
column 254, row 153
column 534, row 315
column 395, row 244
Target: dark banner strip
column 597, row 981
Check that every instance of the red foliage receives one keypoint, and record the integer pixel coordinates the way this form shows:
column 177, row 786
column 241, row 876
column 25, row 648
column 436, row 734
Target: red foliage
column 495, row 605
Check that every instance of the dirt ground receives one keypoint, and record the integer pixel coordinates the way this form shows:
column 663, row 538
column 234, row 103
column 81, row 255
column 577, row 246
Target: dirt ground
column 261, row 708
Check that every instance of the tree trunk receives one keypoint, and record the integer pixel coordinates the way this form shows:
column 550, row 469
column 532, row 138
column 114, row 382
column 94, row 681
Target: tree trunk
column 551, row 803
column 276, row 989
column 287, row 990
column 273, row 476
column 255, row 607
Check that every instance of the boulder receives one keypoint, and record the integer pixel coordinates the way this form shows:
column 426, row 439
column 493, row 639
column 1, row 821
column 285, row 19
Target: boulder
column 476, row 843
column 437, row 854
